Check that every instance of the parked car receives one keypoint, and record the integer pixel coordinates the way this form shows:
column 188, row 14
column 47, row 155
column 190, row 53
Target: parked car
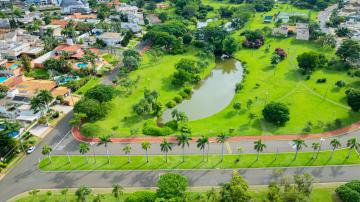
column 31, row 149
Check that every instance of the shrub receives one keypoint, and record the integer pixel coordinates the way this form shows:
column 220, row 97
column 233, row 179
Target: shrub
column 238, row 87
column 173, row 124
column 347, row 194
column 42, row 120
column 281, row 52
column 254, row 39
column 178, row 99
column 151, row 128
column 184, row 95
column 321, row 80
column 143, row 196
column 55, row 115
column 171, row 185
column 355, row 185
column 171, row 104
column 187, row 90
column 353, row 98
column 340, row 83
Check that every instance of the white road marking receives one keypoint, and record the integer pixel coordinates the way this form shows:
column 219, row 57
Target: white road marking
column 62, row 139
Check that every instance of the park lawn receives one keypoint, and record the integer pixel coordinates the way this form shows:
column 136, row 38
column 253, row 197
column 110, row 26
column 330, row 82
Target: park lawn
column 214, row 161
column 155, row 73
column 307, row 100
column 110, row 58
column 320, row 193
column 90, row 84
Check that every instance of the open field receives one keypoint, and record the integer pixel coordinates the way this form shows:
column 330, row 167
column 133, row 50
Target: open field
column 91, row 83
column 197, row 162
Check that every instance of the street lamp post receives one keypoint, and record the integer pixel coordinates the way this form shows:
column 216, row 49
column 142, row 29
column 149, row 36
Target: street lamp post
column 93, row 147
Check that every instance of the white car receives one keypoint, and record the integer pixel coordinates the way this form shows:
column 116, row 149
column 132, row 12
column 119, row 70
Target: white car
column 31, row 149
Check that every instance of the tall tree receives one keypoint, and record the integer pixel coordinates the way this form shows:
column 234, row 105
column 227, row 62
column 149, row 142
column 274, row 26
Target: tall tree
column 127, row 150
column 82, row 193
column 105, row 140
column 41, row 101
column 235, row 190
column 83, row 149
column 46, row 150
column 26, row 63
column 352, row 144
column 165, row 147
column 335, row 143
column 183, row 140
column 146, row 146
column 298, row 143
column 222, row 139
column 201, row 144
column 259, row 147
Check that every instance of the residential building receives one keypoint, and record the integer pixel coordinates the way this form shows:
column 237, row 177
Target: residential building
column 111, row 38
column 74, row 6
column 15, row 43
column 133, row 27
column 284, row 17
column 79, row 17
column 282, row 31
column 302, row 31
column 55, row 30
column 153, row 19
column 268, row 19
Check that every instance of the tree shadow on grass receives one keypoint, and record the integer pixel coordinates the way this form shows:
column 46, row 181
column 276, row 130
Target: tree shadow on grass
column 252, row 163
column 268, row 68
column 131, row 120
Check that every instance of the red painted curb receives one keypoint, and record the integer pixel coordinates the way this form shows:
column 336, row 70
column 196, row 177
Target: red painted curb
column 77, row 135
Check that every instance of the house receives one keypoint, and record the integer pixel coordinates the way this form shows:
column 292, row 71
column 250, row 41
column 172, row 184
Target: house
column 111, row 38
column 16, row 43
column 162, row 6
column 40, row 2
column 4, row 25
column 282, row 31
column 268, row 19
column 302, row 31
column 29, row 17
column 55, row 30
column 74, row 6
column 153, row 19
column 79, row 17
column 62, row 23
column 133, row 27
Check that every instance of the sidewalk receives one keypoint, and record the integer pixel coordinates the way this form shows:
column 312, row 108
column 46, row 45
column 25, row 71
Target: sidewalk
column 341, row 131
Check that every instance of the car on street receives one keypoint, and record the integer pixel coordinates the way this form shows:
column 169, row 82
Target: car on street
column 31, row 149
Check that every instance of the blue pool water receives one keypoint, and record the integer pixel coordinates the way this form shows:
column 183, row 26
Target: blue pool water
column 82, row 65
column 2, row 79
column 13, row 66
column 14, row 134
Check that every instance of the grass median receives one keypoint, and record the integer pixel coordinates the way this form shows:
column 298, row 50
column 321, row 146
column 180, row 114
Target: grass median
column 61, row 163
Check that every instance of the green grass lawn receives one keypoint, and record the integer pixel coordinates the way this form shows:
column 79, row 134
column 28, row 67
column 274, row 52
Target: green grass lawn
column 91, row 83
column 110, row 58
column 196, row 162
column 320, row 193
column 39, row 73
column 155, row 73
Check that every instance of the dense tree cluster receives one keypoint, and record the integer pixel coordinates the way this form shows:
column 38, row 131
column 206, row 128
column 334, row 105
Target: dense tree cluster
column 131, row 60
column 188, row 72
column 312, row 4
column 191, row 8
column 60, row 65
column 167, row 36
column 253, row 39
column 94, row 103
column 276, row 113
column 349, row 51
column 310, row 61
column 353, row 98
column 149, row 104
column 262, row 5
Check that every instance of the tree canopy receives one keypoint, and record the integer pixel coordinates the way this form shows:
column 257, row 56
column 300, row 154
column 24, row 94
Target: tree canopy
column 276, row 113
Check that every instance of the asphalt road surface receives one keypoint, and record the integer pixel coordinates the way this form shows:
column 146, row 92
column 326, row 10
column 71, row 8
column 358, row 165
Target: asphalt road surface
column 26, row 176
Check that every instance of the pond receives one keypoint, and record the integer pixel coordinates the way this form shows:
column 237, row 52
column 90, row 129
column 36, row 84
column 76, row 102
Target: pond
column 212, row 94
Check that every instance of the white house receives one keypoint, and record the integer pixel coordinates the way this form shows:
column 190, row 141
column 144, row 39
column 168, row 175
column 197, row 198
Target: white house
column 111, row 38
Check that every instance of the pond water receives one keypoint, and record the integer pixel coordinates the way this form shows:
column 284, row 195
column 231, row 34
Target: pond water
column 214, row 93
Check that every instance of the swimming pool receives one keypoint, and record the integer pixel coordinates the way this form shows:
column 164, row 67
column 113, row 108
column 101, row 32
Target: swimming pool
column 82, row 65
column 2, row 79
column 13, row 66
column 14, row 134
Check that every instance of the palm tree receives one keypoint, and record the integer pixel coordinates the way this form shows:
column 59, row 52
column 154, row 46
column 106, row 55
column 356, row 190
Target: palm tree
column 165, row 147
column 259, row 147
column 83, row 149
column 46, row 150
column 98, row 198
column 221, row 139
column 64, row 192
column 298, row 143
column 146, row 146
column 316, row 147
column 127, row 150
column 352, row 144
column 117, row 191
column 82, row 192
column 105, row 140
column 335, row 143
column 183, row 140
column 201, row 144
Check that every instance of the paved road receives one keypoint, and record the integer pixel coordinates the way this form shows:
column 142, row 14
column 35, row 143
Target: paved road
column 324, row 17
column 25, row 176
